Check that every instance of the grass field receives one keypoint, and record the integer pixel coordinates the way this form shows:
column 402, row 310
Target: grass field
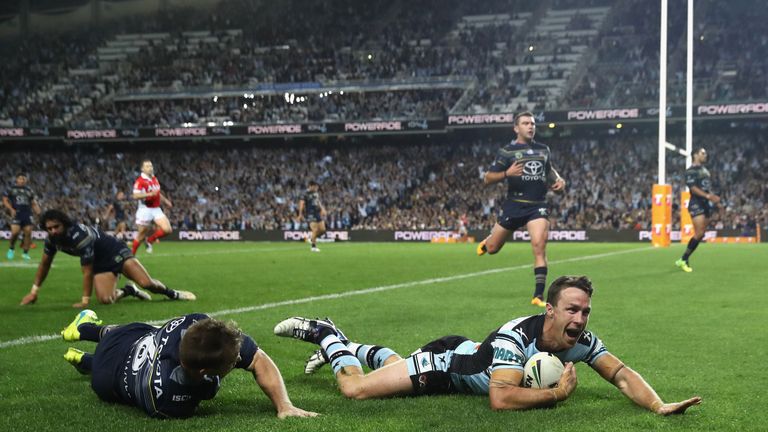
column 701, row 333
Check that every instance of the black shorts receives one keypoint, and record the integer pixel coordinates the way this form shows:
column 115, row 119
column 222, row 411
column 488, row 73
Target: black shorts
column 314, row 217
column 516, row 215
column 110, row 357
column 112, row 259
column 22, row 218
column 437, row 379
column 699, row 207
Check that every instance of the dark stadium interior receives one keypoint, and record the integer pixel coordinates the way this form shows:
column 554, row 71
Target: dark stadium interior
column 242, row 62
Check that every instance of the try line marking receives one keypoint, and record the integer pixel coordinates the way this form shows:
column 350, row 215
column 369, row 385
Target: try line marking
column 42, row 338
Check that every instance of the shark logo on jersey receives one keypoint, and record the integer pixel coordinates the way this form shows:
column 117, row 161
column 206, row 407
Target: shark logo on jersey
column 521, row 333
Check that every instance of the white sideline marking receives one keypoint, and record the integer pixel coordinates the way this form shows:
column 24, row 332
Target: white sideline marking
column 42, row 338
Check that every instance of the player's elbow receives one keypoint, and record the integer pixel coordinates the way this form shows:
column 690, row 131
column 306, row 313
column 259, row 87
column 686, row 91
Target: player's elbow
column 354, row 390
column 498, row 403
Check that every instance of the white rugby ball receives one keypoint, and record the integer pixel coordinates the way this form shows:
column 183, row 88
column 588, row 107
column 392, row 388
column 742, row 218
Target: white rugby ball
column 543, row 370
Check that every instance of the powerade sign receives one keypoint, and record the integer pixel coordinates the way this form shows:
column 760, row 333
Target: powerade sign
column 294, row 235
column 210, row 235
column 424, row 235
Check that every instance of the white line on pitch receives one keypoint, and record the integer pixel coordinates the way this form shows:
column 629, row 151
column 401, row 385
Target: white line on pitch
column 43, row 338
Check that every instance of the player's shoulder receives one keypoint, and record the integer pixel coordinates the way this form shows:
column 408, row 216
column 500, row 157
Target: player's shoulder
column 537, row 145
column 524, row 329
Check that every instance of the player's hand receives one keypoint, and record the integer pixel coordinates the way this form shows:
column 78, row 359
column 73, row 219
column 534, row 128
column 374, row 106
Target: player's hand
column 292, row 411
column 13, row 213
column 568, row 382
column 558, row 186
column 169, row 204
column 80, row 305
column 714, row 198
column 515, row 170
column 677, row 407
column 29, row 299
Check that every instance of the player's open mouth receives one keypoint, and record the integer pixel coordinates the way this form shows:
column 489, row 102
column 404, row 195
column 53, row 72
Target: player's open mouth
column 574, row 333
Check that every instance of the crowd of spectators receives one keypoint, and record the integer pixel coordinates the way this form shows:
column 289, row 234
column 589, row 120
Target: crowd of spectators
column 294, row 42
column 397, row 184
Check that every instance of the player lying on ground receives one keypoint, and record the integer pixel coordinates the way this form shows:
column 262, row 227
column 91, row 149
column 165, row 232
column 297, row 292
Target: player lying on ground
column 102, row 259
column 454, row 364
column 168, row 371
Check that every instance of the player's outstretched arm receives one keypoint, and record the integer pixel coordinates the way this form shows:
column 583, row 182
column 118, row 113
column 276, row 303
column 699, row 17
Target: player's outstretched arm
column 40, row 275
column 270, row 380
column 636, row 388
column 505, row 392
column 87, row 286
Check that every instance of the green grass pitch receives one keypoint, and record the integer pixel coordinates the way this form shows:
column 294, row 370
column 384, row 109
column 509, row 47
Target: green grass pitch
column 701, row 333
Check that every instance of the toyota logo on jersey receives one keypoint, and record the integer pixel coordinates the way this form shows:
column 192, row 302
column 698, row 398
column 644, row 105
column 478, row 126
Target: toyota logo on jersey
column 533, row 168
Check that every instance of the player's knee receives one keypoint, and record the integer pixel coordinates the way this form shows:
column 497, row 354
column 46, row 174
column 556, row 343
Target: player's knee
column 493, row 248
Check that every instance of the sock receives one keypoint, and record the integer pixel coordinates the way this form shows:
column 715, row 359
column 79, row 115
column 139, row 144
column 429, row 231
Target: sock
column 128, row 290
column 26, row 251
column 372, row 355
column 158, row 233
column 86, row 362
column 314, row 244
column 338, row 354
column 89, row 332
column 692, row 245
column 135, row 246
column 541, row 280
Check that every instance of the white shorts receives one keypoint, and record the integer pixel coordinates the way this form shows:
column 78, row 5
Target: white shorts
column 145, row 215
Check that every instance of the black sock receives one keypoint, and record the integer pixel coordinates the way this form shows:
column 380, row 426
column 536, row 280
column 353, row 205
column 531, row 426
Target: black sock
column 541, row 280
column 86, row 363
column 89, row 332
column 129, row 290
column 692, row 245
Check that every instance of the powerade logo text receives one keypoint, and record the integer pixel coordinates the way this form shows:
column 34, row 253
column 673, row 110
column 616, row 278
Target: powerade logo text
column 209, row 235
column 423, row 235
column 561, row 235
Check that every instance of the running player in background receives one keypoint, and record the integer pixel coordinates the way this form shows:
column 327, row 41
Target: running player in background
column 146, row 189
column 525, row 165
column 697, row 178
column 20, row 202
column 312, row 209
column 116, row 211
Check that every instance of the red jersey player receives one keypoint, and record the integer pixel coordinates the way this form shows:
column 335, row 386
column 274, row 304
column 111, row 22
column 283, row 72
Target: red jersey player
column 146, row 189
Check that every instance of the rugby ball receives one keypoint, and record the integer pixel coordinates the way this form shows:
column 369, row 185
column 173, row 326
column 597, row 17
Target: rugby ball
column 542, row 370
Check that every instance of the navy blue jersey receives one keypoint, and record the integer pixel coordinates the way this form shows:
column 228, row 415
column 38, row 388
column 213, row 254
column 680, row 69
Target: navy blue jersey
column 21, row 198
column 697, row 175
column 311, row 202
column 533, row 184
column 152, row 377
column 92, row 245
column 117, row 205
